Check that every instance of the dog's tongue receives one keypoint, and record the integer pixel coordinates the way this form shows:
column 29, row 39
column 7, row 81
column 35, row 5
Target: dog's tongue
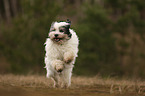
column 56, row 39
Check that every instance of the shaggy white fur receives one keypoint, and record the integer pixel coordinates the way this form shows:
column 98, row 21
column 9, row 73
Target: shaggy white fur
column 60, row 57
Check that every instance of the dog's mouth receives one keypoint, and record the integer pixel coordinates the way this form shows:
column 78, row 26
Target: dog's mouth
column 57, row 39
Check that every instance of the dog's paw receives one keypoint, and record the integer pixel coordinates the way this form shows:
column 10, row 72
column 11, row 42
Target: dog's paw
column 58, row 65
column 55, row 86
column 68, row 57
column 59, row 68
column 65, row 86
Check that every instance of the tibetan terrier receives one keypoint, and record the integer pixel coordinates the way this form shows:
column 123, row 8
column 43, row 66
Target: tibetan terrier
column 61, row 48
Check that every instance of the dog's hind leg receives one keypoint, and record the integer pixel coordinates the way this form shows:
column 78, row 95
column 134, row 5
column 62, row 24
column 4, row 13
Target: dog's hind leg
column 53, row 76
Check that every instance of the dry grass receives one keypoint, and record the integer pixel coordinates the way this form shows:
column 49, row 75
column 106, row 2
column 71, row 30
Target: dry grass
column 84, row 83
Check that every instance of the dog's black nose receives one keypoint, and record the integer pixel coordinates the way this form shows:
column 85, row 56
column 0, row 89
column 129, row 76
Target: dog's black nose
column 60, row 70
column 56, row 35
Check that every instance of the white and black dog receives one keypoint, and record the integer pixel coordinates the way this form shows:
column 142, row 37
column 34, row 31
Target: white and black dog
column 61, row 48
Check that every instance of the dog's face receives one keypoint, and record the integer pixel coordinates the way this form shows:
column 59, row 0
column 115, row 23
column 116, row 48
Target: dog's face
column 59, row 32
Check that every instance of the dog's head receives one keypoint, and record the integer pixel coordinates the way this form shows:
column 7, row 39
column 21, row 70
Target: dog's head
column 59, row 32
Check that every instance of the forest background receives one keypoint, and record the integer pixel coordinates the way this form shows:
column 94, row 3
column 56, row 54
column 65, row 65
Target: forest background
column 111, row 34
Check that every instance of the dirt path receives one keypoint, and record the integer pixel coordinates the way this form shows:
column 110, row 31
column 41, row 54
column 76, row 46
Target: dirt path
column 22, row 91
column 19, row 85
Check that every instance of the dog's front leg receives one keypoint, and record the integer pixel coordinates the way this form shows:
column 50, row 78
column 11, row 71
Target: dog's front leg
column 66, row 78
column 58, row 65
column 68, row 57
column 55, row 79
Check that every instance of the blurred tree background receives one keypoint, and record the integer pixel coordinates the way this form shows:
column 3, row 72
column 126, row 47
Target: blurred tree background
column 111, row 33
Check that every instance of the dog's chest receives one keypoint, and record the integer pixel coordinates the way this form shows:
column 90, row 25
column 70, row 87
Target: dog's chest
column 57, row 51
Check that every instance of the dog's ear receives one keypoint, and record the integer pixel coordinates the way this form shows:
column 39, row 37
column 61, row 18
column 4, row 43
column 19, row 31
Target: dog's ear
column 70, row 35
column 51, row 28
column 68, row 31
column 68, row 21
column 52, row 24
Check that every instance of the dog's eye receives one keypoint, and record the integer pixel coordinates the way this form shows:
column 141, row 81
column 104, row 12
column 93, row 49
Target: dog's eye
column 61, row 30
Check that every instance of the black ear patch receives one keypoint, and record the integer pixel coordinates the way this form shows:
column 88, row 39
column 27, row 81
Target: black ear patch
column 70, row 35
column 68, row 21
column 65, row 29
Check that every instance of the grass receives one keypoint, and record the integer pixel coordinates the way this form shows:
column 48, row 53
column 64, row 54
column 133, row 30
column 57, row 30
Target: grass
column 93, row 84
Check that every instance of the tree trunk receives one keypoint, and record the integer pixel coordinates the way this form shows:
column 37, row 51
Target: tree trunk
column 14, row 7
column 7, row 10
column 0, row 17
